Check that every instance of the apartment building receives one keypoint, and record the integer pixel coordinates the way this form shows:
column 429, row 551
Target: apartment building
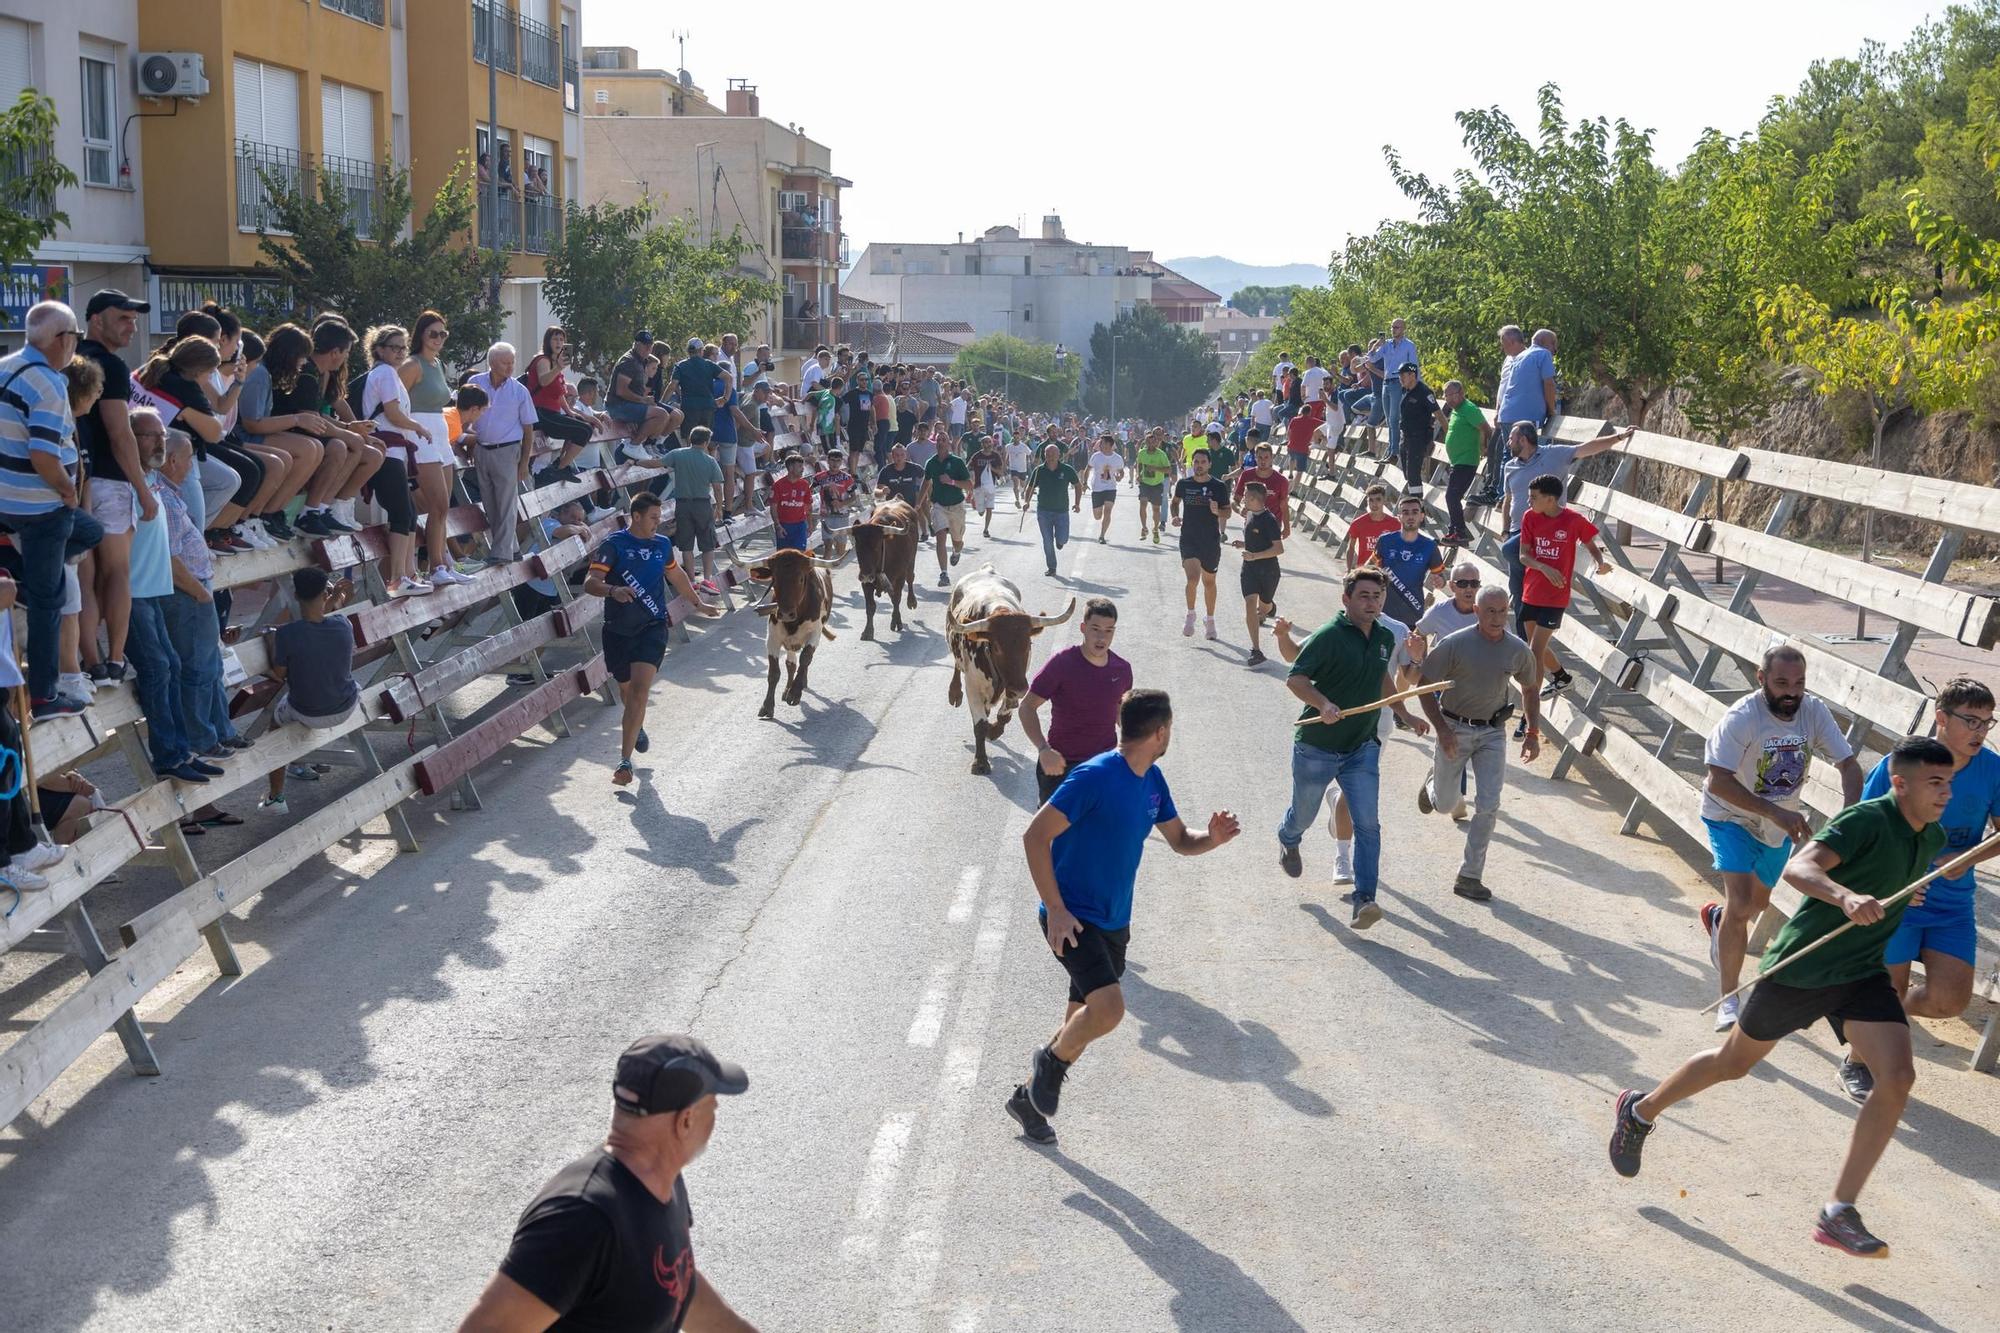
column 614, row 84
column 82, row 63
column 354, row 86
column 1236, row 336
column 728, row 171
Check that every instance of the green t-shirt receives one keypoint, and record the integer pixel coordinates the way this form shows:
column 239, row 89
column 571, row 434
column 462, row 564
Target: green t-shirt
column 1347, row 669
column 1461, row 434
column 824, row 404
column 1052, row 485
column 1879, row 854
column 1154, row 464
column 941, row 472
column 1221, row 460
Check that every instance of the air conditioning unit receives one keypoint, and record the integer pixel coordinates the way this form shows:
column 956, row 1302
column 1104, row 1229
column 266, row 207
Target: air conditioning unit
column 170, row 74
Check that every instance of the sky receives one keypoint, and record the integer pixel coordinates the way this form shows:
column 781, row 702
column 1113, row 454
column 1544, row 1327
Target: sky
column 954, row 118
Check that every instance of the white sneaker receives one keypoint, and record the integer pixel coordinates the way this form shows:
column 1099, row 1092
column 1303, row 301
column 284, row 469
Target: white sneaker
column 75, row 684
column 1343, row 869
column 1725, row 1017
column 409, row 587
column 344, row 511
column 444, row 576
column 275, row 804
column 251, row 535
column 41, row 856
column 1187, row 626
column 1208, row 627
column 21, row 877
column 1461, row 810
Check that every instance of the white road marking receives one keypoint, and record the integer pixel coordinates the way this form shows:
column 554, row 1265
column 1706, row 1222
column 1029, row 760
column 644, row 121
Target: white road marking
column 968, row 894
column 878, row 1182
column 929, row 1022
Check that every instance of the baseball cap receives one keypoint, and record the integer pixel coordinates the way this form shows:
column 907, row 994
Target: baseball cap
column 1408, row 368
column 1214, row 428
column 671, row 1071
column 111, row 298
column 695, row 344
column 643, row 336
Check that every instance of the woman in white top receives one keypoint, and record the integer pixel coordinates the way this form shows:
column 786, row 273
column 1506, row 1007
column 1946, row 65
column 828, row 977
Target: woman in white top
column 429, row 394
column 384, row 398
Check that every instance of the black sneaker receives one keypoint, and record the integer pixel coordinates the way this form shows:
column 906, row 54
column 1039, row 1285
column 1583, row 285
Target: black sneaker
column 1424, row 805
column 1033, row 1123
column 1521, row 729
column 187, row 773
column 238, row 742
column 98, row 671
column 336, row 523
column 1289, row 862
column 280, row 527
column 1256, row 658
column 116, row 672
column 1557, row 684
column 1628, row 1135
column 1366, row 914
column 1469, row 888
column 312, row 523
column 643, row 742
column 1855, row 1080
column 1045, row 1087
column 1843, row 1231
column 204, row 768
column 61, row 705
column 520, row 678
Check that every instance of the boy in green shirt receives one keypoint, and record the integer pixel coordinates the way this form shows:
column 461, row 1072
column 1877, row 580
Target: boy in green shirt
column 1155, row 467
column 1868, row 852
column 1465, row 436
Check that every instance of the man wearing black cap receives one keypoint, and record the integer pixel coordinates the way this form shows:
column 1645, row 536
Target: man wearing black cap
column 1419, row 409
column 606, row 1243
column 630, row 404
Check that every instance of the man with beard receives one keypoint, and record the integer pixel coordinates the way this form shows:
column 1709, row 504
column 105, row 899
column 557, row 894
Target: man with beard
column 1757, row 761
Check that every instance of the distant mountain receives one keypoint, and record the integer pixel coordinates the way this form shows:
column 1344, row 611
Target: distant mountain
column 1224, row 276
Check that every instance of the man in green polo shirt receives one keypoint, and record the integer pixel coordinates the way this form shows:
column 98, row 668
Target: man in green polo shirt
column 1058, row 494
column 1156, row 468
column 943, row 499
column 1868, row 852
column 1346, row 663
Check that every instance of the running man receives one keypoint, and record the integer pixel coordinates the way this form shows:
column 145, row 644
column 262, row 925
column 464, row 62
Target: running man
column 607, row 1242
column 631, row 571
column 986, row 463
column 1411, row 561
column 1757, row 761
column 1550, row 533
column 1154, row 467
column 1083, row 850
column 943, row 498
column 1107, row 469
column 1867, row 852
column 1941, row 932
column 1207, row 508
column 1368, row 527
column 1019, row 456
column 1058, row 494
column 1082, row 685
column 1261, row 543
column 836, row 496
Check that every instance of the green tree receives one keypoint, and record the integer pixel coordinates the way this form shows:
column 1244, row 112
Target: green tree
column 1163, row 369
column 695, row 288
column 1258, row 299
column 28, row 184
column 1025, row 371
column 323, row 262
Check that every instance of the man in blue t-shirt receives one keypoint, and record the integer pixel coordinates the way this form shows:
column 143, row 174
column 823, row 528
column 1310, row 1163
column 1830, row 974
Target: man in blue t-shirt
column 1940, row 930
column 1409, row 560
column 1083, row 853
column 631, row 572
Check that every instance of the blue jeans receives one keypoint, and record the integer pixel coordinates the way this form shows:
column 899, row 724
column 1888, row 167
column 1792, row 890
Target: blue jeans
column 47, row 540
column 1054, row 524
column 1359, row 774
column 151, row 650
column 1389, row 402
column 197, row 642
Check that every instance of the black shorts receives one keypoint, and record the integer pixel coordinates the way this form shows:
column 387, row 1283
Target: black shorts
column 1208, row 552
column 1095, row 961
column 1045, row 783
column 1776, row 1010
column 622, row 651
column 1152, row 493
column 1260, row 579
column 1552, row 616
column 1102, row 499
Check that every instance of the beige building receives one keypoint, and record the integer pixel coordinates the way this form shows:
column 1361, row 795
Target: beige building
column 1236, row 336
column 614, row 85
column 732, row 170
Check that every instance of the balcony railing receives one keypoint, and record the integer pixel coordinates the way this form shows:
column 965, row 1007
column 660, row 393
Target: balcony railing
column 541, row 60
column 368, row 11
column 804, row 334
column 256, row 202
column 358, row 181
column 499, row 229
column 17, row 166
column 541, row 224
column 495, row 27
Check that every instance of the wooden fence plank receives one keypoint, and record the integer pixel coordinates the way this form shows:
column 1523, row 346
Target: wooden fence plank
column 1683, row 530
column 468, row 749
column 383, row 620
column 1951, row 504
column 108, row 844
column 247, row 567
column 404, row 696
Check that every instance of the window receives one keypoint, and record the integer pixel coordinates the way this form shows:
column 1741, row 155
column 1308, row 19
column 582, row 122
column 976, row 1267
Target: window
column 100, row 114
column 17, row 69
column 602, row 97
column 267, row 104
column 346, row 121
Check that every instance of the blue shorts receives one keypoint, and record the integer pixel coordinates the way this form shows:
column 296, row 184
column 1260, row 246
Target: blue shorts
column 1737, row 852
column 627, row 411
column 1947, row 928
column 792, row 536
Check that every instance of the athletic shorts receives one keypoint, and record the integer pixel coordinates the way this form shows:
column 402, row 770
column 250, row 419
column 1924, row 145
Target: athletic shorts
column 1551, row 616
column 112, row 504
column 1152, row 492
column 1019, row 475
column 793, row 536
column 623, row 651
column 1103, row 499
column 694, row 525
column 1298, row 460
column 1776, row 1010
column 950, row 517
column 1737, row 852
column 1096, row 960
column 1260, row 579
column 1948, row 929
column 1208, row 552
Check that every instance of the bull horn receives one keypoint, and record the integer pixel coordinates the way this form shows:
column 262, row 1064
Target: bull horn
column 968, row 626
column 1044, row 622
column 824, row 563
column 893, row 532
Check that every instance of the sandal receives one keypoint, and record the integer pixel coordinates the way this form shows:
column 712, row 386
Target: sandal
column 193, row 829
column 222, row 819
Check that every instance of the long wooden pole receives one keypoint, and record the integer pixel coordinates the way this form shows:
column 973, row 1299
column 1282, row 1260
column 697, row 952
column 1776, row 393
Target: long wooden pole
column 1952, row 867
column 1433, row 688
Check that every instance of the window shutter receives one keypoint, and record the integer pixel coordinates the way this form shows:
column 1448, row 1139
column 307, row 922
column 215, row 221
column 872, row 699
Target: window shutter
column 16, row 62
column 249, row 100
column 358, row 117
column 281, row 107
column 332, row 123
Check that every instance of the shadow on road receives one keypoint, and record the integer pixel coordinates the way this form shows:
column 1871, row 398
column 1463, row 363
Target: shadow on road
column 1825, row 1300
column 678, row 842
column 1203, row 1040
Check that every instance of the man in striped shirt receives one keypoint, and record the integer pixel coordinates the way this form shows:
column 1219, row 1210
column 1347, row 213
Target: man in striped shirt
column 38, row 499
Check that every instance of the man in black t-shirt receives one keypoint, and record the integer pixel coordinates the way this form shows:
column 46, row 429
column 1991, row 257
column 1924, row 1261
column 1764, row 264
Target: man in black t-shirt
column 901, row 480
column 1262, row 543
column 1200, row 507
column 606, row 1243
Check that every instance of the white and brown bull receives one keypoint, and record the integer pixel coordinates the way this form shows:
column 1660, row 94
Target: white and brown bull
column 801, row 597
column 885, row 551
column 991, row 635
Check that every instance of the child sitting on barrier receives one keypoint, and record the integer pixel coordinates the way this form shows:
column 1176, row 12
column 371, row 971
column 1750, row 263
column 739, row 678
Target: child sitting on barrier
column 313, row 659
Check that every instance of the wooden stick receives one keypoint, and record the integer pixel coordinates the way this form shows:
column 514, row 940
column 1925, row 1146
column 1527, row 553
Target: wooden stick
column 1396, row 698
column 1952, row 867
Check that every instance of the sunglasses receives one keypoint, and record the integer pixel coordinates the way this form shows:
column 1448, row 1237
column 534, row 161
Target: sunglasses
column 1465, row 583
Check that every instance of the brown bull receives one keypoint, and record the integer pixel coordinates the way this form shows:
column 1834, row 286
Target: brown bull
column 885, row 547
column 991, row 636
column 801, row 596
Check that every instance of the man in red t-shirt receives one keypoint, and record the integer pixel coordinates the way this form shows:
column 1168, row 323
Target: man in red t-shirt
column 791, row 505
column 1359, row 547
column 1299, row 435
column 1277, row 490
column 1550, row 533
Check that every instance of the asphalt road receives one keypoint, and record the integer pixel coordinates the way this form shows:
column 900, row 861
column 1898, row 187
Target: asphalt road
column 1298, row 1127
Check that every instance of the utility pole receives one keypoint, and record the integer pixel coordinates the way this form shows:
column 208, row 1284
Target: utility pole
column 1006, row 355
column 1114, row 381
column 493, row 130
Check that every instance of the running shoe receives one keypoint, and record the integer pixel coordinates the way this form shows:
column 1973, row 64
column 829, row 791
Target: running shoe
column 944, row 579
column 1045, row 1086
column 1725, row 1017
column 1256, row 658
column 303, row 772
column 61, row 705
column 1842, row 1229
column 444, row 576
column 1187, row 626
column 1711, row 921
column 954, row 557
column 1102, row 541
column 1208, row 627
column 275, row 804
column 1559, row 682
column 19, row 877
column 1424, row 805
column 709, row 586
column 1469, row 888
column 1289, row 861
column 1033, row 1123
column 622, row 775
column 1855, row 1080
column 1628, row 1134
column 312, row 523
column 1456, row 538
column 41, row 856
column 643, row 742
column 1366, row 914
column 520, row 678
column 1156, row 536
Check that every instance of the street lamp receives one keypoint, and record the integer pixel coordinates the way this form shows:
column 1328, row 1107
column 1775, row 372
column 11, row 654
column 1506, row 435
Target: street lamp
column 1114, row 379
column 1006, row 355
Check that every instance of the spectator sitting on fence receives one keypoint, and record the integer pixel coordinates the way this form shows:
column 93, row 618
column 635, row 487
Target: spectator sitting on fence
column 67, row 800
column 22, row 855
column 313, row 659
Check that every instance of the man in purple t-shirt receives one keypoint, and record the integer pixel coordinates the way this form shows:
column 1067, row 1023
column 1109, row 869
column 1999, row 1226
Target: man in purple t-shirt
column 1084, row 683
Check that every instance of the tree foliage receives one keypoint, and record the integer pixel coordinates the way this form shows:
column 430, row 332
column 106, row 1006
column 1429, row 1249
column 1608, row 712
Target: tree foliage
column 398, row 270
column 28, row 215
column 1259, row 299
column 1026, row 371
column 1163, row 368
